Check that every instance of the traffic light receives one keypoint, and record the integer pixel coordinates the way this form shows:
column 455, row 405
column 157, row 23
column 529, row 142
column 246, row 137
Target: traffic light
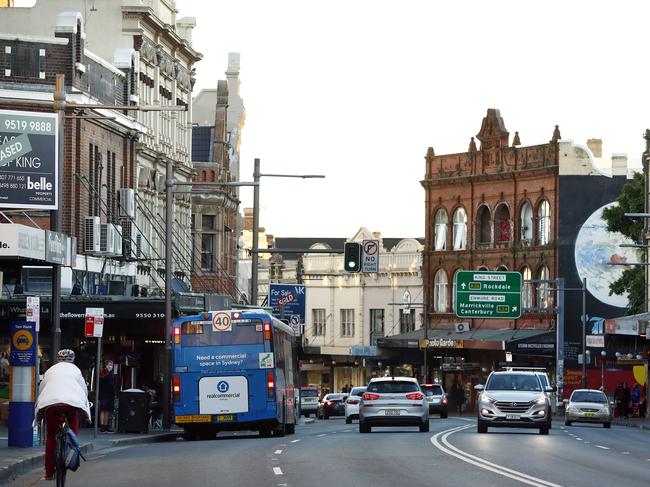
column 352, row 257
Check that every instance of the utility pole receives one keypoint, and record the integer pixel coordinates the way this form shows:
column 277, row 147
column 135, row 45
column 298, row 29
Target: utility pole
column 584, row 332
column 256, row 237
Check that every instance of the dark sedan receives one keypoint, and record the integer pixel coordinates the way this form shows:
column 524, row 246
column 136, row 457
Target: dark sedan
column 331, row 405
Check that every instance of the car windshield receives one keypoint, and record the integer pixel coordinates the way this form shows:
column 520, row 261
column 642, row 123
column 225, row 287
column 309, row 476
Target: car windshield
column 334, row 397
column 309, row 392
column 513, row 382
column 393, row 386
column 589, row 396
column 358, row 391
column 434, row 390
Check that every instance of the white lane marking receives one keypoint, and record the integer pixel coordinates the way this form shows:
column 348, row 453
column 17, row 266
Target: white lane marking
column 603, row 447
column 346, row 431
column 587, row 442
column 320, row 436
column 579, row 439
column 277, row 470
column 295, row 441
column 277, row 452
column 626, row 453
column 448, row 448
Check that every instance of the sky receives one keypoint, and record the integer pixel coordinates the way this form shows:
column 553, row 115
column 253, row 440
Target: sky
column 357, row 90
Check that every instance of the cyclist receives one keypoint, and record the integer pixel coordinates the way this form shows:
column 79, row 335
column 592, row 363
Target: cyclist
column 62, row 390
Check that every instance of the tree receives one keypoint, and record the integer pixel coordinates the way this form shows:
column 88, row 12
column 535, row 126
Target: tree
column 633, row 279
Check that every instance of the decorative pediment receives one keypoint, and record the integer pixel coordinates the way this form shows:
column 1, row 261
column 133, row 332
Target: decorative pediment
column 493, row 131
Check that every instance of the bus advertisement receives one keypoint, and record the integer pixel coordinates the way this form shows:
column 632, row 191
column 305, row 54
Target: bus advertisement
column 233, row 370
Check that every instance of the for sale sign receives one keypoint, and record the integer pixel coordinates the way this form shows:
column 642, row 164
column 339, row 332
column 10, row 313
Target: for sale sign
column 28, row 160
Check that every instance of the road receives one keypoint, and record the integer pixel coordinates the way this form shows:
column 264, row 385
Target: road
column 331, row 451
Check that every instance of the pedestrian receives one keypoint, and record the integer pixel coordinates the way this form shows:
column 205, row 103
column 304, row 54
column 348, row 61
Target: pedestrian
column 618, row 399
column 459, row 397
column 106, row 396
column 4, row 367
column 625, row 401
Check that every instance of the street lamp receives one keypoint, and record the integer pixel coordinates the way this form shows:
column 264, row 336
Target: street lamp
column 603, row 354
column 255, row 251
column 585, row 358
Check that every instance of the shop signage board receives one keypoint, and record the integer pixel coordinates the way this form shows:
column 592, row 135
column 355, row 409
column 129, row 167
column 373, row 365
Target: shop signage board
column 28, row 160
column 485, row 294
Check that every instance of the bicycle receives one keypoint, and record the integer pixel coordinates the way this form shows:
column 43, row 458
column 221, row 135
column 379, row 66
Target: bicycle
column 59, row 453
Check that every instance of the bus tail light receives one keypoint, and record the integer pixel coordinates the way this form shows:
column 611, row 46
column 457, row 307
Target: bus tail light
column 270, row 384
column 176, row 387
column 267, row 331
column 177, row 335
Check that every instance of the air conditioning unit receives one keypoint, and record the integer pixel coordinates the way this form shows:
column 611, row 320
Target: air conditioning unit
column 142, row 247
column 107, row 239
column 92, row 230
column 461, row 327
column 127, row 203
column 117, row 244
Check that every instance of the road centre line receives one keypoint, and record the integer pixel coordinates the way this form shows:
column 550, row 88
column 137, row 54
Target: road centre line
column 579, row 439
column 443, row 445
column 277, row 470
column 603, row 447
column 295, row 441
column 277, row 452
column 320, row 436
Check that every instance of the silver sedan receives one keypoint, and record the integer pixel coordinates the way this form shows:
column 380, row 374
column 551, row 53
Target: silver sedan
column 393, row 401
column 588, row 406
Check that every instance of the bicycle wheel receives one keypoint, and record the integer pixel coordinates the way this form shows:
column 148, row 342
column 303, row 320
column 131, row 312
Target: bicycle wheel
column 59, row 462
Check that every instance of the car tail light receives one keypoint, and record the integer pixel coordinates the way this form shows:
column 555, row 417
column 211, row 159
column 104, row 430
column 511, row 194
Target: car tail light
column 370, row 397
column 353, row 401
column 270, row 384
column 176, row 387
column 415, row 396
column 444, row 400
column 329, row 404
column 177, row 335
column 267, row 331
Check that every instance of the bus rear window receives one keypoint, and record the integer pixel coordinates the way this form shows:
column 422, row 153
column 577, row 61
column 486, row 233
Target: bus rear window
column 249, row 333
column 192, row 328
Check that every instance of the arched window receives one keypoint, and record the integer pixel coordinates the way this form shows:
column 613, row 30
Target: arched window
column 460, row 229
column 526, row 223
column 502, row 268
column 543, row 288
column 543, row 223
column 483, row 228
column 502, row 227
column 440, row 291
column 440, row 238
column 482, row 268
column 527, row 288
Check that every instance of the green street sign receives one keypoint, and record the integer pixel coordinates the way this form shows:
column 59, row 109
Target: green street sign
column 485, row 294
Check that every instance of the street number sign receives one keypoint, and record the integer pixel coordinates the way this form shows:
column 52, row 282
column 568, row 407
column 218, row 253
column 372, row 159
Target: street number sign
column 370, row 256
column 485, row 294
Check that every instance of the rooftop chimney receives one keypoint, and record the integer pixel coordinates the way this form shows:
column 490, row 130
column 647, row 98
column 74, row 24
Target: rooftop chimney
column 596, row 147
column 619, row 164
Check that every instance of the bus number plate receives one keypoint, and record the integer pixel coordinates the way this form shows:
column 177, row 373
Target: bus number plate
column 225, row 417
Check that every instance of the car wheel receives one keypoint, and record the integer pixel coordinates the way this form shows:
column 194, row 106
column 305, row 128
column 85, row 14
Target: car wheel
column 364, row 428
column 443, row 415
column 348, row 420
column 265, row 433
column 424, row 428
column 279, row 431
column 543, row 430
column 306, row 415
column 567, row 422
column 607, row 425
column 481, row 427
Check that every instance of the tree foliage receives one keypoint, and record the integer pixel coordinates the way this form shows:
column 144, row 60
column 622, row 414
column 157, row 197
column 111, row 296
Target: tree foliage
column 632, row 281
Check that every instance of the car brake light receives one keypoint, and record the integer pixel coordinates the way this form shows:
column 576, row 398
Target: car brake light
column 444, row 401
column 177, row 335
column 328, row 403
column 415, row 396
column 267, row 331
column 353, row 401
column 369, row 397
column 176, row 387
column 270, row 384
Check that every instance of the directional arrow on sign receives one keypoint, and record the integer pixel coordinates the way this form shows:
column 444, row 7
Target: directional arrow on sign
column 463, row 285
column 514, row 309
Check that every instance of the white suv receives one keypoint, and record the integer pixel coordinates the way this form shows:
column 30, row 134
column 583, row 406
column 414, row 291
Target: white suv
column 514, row 399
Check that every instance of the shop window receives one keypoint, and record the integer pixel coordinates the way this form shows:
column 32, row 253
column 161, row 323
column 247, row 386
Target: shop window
column 543, row 223
column 526, row 223
column 460, row 229
column 440, row 240
column 440, row 291
column 527, row 288
column 502, row 225
column 347, row 322
column 483, row 228
column 318, row 320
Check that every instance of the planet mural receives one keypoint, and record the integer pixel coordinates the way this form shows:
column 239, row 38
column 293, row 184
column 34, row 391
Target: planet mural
column 595, row 248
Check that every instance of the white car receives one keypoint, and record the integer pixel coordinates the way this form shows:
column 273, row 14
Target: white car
column 352, row 404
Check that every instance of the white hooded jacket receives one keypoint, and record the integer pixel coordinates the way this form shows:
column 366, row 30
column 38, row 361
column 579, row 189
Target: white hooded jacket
column 62, row 384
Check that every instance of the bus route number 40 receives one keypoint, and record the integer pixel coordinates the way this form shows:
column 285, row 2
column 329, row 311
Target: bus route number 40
column 221, row 322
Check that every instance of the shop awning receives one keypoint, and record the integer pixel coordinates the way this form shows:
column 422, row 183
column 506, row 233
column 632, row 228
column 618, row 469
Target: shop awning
column 628, row 325
column 454, row 339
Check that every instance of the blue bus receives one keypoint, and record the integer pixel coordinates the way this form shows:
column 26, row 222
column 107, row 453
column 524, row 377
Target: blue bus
column 233, row 370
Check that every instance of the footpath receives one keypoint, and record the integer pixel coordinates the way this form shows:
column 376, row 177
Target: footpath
column 17, row 461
